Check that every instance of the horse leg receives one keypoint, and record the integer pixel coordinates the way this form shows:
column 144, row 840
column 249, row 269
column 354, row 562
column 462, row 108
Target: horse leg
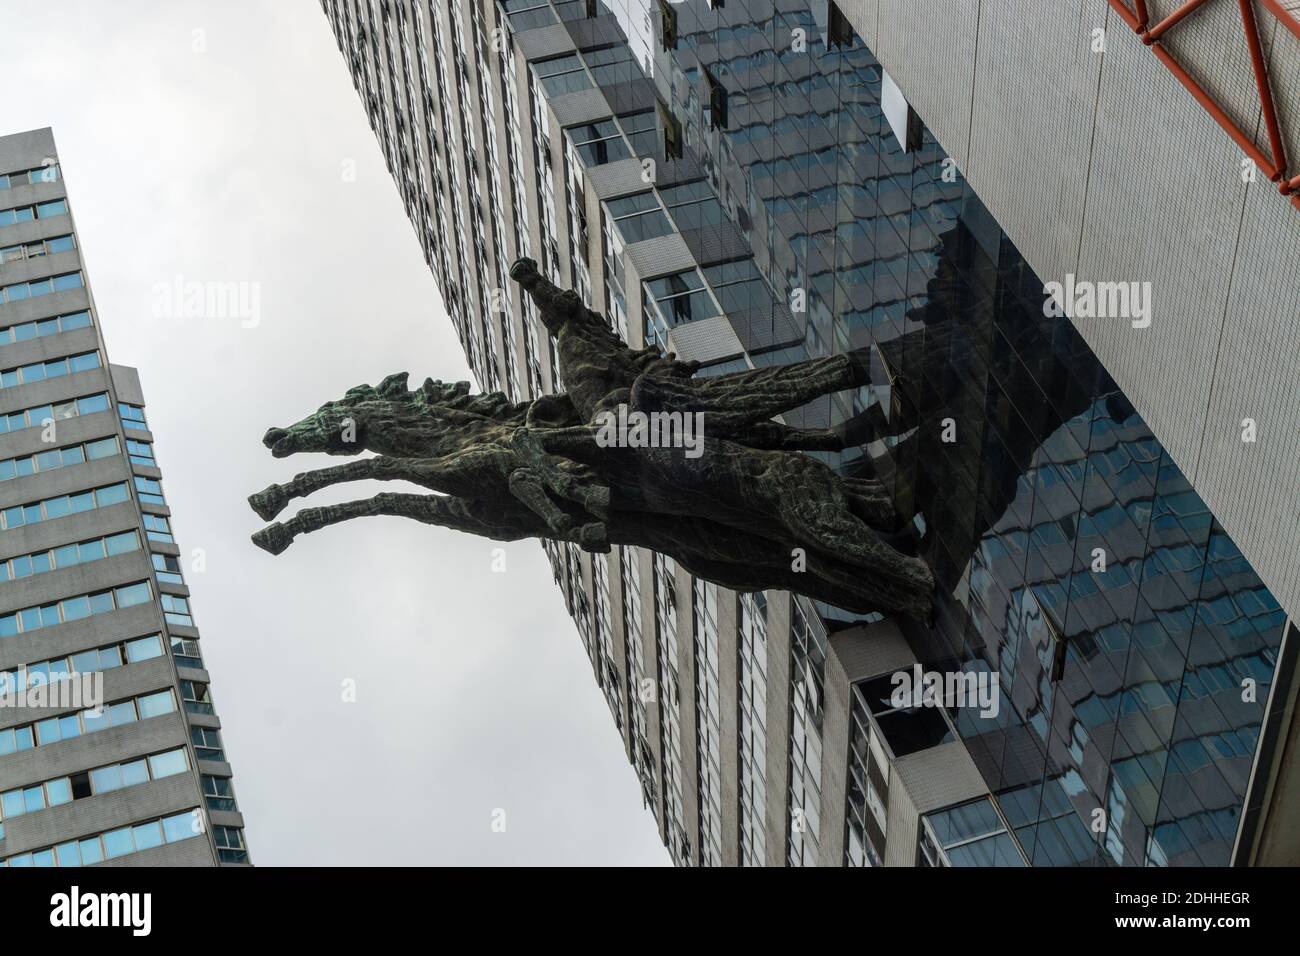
column 527, row 486
column 501, row 522
column 273, row 499
column 755, row 395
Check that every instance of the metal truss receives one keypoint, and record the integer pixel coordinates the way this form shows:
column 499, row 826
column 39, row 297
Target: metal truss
column 1275, row 165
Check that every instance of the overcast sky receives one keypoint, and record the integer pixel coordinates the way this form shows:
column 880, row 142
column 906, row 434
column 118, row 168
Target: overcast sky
column 210, row 142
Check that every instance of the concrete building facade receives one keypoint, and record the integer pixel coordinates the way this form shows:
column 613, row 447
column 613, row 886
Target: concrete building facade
column 746, row 184
column 129, row 768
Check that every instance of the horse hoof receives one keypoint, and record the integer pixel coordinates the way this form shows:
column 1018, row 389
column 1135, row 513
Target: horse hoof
column 268, row 503
column 594, row 537
column 273, row 539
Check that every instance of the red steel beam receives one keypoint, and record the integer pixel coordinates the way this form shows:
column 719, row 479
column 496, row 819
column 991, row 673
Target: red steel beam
column 1275, row 167
column 1171, row 21
column 1248, row 146
column 1261, row 80
column 1127, row 15
column 1288, row 19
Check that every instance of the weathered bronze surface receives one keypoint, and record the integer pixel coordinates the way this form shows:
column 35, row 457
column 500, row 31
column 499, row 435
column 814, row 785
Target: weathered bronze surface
column 745, row 509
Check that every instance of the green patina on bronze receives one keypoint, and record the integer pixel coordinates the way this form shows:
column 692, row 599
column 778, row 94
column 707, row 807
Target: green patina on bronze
column 749, row 513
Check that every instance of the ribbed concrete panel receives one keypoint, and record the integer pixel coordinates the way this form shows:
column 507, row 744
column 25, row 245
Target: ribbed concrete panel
column 573, row 109
column 707, row 340
column 863, row 15
column 1255, row 488
column 921, row 40
column 1044, row 199
column 660, row 256
column 865, row 652
column 544, row 42
column 1211, row 46
column 617, row 179
column 939, row 777
column 1171, row 225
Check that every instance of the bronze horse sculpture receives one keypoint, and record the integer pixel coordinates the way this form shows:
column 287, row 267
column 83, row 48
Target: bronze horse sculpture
column 751, row 512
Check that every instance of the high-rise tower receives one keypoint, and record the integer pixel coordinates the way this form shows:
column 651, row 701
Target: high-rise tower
column 110, row 749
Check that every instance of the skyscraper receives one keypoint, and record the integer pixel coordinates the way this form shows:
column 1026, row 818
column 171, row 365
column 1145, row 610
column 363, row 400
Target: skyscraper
column 745, row 185
column 110, row 748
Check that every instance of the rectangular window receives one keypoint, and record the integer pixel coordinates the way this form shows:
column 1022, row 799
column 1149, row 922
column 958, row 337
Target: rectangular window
column 45, row 174
column 638, row 217
column 43, row 327
column 158, row 529
column 176, row 610
column 39, row 287
column 598, row 143
column 132, row 416
column 167, row 568
column 149, row 491
column 562, row 75
column 140, row 453
column 52, row 368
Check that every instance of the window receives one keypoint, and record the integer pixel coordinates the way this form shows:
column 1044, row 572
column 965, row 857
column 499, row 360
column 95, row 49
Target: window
column 598, row 143
column 57, row 458
column 230, row 844
column 638, row 217
column 140, row 453
column 45, row 174
column 218, row 793
column 67, row 555
column 40, row 415
column 168, row 568
column 132, row 416
column 120, row 842
column 207, row 743
column 562, row 75
column 528, row 14
column 69, row 726
column 73, row 609
column 43, row 327
column 158, row 529
column 176, row 610
column 673, row 300
column 186, row 652
column 21, row 515
column 53, row 368
column 149, row 491
column 38, row 287
column 971, row 834
column 44, row 210
column 196, row 697
column 33, row 250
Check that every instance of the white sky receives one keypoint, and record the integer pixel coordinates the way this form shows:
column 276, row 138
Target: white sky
column 225, row 163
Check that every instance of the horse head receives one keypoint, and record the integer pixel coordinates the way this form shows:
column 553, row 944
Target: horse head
column 391, row 419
